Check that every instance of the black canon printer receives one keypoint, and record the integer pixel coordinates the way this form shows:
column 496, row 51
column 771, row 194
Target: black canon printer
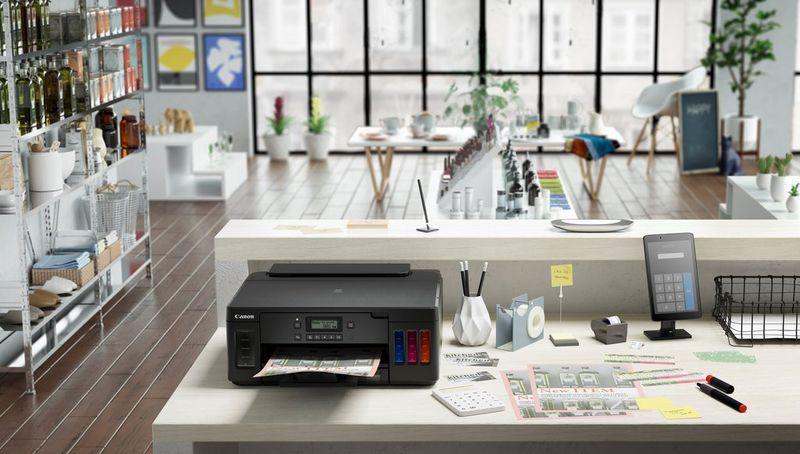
column 389, row 306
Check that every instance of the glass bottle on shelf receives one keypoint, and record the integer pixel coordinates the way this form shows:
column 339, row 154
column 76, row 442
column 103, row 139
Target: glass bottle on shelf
column 18, row 13
column 41, row 67
column 24, row 100
column 2, row 30
column 5, row 111
column 52, row 92
column 38, row 97
column 68, row 87
column 41, row 23
column 129, row 134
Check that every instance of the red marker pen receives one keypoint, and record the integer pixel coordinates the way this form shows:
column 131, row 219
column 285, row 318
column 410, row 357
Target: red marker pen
column 722, row 397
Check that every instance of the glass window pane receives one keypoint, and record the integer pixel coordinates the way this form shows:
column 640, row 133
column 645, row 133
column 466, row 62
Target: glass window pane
column 512, row 35
column 628, row 28
column 619, row 95
column 453, row 35
column 558, row 90
column 528, row 93
column 280, row 38
column 683, row 39
column 337, row 35
column 342, row 98
column 394, row 96
column 570, row 35
column 395, row 34
column 438, row 87
column 294, row 90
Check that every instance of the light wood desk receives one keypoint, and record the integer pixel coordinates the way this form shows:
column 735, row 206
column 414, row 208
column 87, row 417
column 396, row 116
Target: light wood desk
column 207, row 408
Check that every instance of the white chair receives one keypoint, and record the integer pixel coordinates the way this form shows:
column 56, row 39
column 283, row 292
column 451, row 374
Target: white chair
column 659, row 100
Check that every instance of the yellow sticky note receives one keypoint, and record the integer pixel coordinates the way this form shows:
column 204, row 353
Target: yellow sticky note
column 654, row 403
column 680, row 413
column 561, row 275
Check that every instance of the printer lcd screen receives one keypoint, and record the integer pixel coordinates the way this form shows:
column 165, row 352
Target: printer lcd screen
column 324, row 324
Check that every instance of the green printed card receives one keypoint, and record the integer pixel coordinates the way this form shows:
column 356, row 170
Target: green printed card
column 726, row 357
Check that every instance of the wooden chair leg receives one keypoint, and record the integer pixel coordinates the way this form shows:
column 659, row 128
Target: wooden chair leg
column 675, row 141
column 368, row 155
column 638, row 141
column 651, row 155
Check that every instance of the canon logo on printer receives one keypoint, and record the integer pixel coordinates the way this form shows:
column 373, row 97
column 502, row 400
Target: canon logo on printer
column 244, row 316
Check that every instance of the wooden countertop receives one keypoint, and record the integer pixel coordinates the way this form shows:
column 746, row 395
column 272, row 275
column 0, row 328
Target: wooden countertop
column 206, row 407
column 498, row 240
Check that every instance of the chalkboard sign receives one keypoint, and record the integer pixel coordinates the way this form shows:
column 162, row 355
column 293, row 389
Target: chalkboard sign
column 699, row 131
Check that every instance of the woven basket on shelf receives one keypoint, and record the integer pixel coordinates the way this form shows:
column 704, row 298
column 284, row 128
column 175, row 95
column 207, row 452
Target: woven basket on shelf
column 78, row 276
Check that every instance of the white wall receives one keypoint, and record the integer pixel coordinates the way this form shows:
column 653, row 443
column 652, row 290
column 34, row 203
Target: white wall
column 231, row 111
column 772, row 95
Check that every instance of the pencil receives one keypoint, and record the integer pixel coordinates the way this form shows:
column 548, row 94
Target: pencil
column 466, row 275
column 463, row 285
column 483, row 275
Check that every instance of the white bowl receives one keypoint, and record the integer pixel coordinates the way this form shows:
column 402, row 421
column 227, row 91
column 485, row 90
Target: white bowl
column 67, row 162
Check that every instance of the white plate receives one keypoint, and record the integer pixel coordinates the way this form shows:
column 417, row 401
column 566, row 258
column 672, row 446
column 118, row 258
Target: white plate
column 592, row 225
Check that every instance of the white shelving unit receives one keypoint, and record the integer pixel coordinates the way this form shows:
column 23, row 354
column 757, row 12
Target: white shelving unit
column 25, row 347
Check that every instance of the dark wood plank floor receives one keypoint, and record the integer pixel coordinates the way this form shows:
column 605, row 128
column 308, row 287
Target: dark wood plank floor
column 102, row 391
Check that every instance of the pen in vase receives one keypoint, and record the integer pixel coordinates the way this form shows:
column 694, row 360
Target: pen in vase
column 483, row 275
column 466, row 275
column 463, row 282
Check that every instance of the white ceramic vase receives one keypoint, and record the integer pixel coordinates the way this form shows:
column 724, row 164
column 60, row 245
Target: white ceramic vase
column 793, row 204
column 779, row 187
column 278, row 146
column 763, row 180
column 749, row 131
column 318, row 145
column 596, row 125
column 472, row 324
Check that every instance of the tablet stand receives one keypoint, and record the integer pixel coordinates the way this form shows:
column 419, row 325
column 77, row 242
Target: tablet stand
column 667, row 332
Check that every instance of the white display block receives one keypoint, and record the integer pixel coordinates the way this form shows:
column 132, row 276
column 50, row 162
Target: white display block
column 180, row 167
column 746, row 201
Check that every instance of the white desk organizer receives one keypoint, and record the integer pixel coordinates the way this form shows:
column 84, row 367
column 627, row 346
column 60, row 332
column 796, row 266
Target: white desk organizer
column 477, row 174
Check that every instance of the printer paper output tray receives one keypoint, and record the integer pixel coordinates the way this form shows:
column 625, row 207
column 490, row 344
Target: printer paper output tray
column 320, row 378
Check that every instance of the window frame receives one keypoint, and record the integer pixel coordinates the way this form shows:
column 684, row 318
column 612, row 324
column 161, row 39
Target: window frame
column 423, row 73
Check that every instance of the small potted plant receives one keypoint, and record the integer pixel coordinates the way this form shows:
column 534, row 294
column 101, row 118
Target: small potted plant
column 764, row 172
column 494, row 98
column 781, row 181
column 318, row 138
column 793, row 202
column 279, row 142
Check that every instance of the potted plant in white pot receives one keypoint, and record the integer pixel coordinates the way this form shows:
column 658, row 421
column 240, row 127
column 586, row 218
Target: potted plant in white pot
column 494, row 98
column 279, row 142
column 793, row 202
column 318, row 138
column 765, row 173
column 781, row 181
column 739, row 46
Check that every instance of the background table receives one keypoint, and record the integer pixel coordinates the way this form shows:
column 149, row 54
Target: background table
column 384, row 149
column 592, row 172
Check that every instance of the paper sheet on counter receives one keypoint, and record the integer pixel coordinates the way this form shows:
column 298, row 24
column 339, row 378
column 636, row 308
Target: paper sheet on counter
column 359, row 362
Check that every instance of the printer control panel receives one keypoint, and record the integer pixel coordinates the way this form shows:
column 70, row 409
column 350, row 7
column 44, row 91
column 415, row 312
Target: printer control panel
column 312, row 328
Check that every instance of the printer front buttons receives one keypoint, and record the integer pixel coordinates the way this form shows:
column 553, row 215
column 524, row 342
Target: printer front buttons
column 298, row 337
column 351, row 324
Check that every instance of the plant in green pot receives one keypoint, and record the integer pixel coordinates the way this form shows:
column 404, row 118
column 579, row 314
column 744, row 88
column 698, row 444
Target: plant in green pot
column 765, row 173
column 473, row 107
column 793, row 202
column 781, row 181
column 279, row 142
column 318, row 139
column 738, row 46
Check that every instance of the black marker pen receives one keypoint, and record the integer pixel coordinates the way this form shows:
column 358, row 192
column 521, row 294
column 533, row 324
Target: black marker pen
column 722, row 397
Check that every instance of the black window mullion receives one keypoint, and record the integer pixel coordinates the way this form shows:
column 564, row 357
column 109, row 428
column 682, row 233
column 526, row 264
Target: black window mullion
column 424, row 56
column 598, row 55
column 367, row 97
column 657, row 6
column 540, row 81
column 309, row 65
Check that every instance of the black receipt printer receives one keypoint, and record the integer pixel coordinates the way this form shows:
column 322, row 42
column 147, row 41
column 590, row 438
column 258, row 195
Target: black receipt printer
column 385, row 306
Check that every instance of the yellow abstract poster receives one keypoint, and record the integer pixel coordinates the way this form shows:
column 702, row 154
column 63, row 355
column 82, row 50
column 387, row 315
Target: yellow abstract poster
column 222, row 13
column 177, row 62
